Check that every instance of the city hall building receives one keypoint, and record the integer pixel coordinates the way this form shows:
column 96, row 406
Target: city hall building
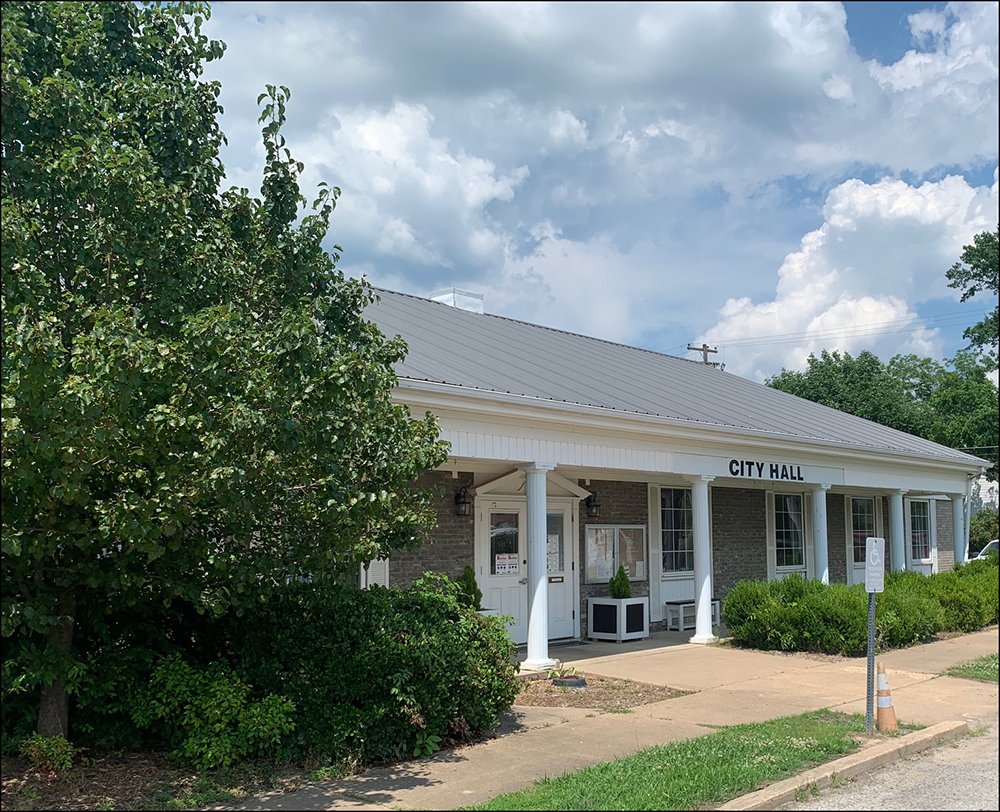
column 571, row 456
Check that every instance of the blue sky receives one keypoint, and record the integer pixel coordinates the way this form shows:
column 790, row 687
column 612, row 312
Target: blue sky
column 774, row 179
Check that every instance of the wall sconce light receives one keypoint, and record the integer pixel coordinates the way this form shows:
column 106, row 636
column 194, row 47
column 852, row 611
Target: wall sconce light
column 593, row 506
column 463, row 505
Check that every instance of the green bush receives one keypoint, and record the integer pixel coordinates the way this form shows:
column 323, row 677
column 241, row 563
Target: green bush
column 620, row 585
column 209, row 716
column 796, row 614
column 48, row 752
column 470, row 595
column 377, row 674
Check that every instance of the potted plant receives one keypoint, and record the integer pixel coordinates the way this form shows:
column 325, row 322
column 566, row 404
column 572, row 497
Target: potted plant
column 618, row 617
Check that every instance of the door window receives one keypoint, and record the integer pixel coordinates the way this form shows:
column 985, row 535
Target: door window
column 555, row 545
column 505, row 557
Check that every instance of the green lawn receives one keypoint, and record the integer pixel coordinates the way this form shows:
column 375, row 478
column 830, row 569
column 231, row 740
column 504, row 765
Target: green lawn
column 706, row 770
column 984, row 668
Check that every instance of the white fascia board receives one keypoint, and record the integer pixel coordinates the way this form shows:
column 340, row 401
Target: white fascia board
column 437, row 396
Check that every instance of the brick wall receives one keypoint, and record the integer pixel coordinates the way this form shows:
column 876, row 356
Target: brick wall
column 621, row 503
column 449, row 546
column 739, row 537
column 945, row 535
column 836, row 537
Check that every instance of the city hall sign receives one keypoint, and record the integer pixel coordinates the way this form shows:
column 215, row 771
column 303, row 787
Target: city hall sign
column 752, row 469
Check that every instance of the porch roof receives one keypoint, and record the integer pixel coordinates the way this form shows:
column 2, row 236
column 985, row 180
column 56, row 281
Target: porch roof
column 488, row 353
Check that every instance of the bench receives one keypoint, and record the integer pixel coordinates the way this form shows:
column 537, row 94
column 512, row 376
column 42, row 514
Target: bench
column 681, row 615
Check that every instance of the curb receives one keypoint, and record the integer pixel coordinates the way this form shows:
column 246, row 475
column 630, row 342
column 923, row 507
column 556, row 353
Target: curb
column 783, row 792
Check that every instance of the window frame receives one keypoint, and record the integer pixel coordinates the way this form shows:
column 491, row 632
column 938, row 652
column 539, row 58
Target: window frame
column 803, row 565
column 874, row 534
column 675, row 573
column 928, row 530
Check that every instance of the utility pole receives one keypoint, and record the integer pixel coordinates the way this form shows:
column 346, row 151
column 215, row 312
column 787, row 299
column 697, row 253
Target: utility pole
column 704, row 349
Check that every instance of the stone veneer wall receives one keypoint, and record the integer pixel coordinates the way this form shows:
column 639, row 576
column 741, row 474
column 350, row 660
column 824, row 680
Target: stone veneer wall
column 945, row 535
column 450, row 545
column 836, row 537
column 739, row 537
column 621, row 503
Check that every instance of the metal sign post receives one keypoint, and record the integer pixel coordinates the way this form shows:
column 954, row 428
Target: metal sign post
column 874, row 583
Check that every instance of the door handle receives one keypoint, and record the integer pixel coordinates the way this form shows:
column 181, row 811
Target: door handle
column 523, row 581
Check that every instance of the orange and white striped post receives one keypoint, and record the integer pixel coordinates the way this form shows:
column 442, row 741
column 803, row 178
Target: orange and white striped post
column 886, row 714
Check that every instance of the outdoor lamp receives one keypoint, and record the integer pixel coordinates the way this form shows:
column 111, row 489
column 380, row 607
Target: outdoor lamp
column 463, row 505
column 593, row 506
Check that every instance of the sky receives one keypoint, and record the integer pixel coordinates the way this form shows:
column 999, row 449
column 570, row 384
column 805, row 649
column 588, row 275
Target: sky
column 773, row 179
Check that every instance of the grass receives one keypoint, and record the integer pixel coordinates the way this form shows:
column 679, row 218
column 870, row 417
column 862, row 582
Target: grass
column 706, row 770
column 983, row 668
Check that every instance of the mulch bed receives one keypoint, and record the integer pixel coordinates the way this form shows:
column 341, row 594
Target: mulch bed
column 601, row 693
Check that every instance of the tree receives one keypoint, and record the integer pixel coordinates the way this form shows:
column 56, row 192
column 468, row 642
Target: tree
column 861, row 386
column 194, row 407
column 954, row 404
column 982, row 529
column 979, row 270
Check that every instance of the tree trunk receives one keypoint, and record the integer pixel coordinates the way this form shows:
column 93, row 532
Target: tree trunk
column 53, row 708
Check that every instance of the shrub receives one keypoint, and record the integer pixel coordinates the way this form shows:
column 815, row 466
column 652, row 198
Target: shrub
column 796, row 614
column 208, row 714
column 620, row 585
column 470, row 595
column 48, row 752
column 377, row 674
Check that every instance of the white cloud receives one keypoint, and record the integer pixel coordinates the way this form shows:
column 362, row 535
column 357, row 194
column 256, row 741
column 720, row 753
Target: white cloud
column 856, row 281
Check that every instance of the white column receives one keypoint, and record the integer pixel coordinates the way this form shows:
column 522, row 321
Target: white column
column 958, row 525
column 897, row 543
column 702, row 561
column 538, row 586
column 820, row 543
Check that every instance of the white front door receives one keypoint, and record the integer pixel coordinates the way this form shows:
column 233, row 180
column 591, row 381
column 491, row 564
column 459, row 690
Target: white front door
column 559, row 550
column 502, row 564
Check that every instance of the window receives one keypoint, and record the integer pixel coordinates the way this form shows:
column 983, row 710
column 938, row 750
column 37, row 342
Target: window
column 505, row 556
column 789, row 532
column 920, row 531
column 862, row 526
column 678, row 535
column 610, row 546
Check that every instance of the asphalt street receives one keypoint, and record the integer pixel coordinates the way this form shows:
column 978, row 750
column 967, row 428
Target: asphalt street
column 959, row 775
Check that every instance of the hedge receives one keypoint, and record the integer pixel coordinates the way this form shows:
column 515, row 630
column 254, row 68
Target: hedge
column 795, row 614
column 378, row 674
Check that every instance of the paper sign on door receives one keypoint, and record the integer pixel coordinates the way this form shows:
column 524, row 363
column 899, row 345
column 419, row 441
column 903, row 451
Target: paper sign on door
column 506, row 564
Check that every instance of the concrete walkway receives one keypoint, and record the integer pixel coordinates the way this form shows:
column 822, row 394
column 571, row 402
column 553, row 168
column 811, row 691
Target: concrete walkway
column 732, row 686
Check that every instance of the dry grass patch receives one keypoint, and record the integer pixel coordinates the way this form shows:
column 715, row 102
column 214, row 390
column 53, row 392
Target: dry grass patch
column 601, row 693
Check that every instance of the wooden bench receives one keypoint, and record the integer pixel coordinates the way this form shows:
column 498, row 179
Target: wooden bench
column 681, row 615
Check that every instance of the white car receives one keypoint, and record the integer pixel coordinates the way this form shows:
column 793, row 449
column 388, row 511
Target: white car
column 985, row 552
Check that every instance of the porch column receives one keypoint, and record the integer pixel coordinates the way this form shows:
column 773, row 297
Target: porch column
column 538, row 587
column 702, row 561
column 820, row 542
column 897, row 544
column 958, row 523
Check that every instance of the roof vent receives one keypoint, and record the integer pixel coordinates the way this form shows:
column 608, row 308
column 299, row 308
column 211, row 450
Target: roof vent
column 462, row 299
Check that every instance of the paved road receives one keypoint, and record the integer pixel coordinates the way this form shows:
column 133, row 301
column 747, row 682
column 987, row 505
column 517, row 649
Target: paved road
column 962, row 775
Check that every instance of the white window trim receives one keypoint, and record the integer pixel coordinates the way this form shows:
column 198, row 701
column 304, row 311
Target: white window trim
column 849, row 527
column 807, row 569
column 931, row 533
column 673, row 575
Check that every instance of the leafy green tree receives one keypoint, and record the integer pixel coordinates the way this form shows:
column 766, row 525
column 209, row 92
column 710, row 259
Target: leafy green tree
column 979, row 270
column 954, row 404
column 194, row 407
column 982, row 529
column 861, row 386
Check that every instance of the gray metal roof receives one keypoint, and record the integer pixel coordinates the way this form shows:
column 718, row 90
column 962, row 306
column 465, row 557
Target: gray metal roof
column 491, row 353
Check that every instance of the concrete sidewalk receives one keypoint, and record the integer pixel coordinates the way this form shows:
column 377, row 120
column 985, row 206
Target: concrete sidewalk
column 733, row 687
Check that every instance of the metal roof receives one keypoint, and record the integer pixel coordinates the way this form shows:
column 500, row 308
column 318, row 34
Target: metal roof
column 488, row 353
